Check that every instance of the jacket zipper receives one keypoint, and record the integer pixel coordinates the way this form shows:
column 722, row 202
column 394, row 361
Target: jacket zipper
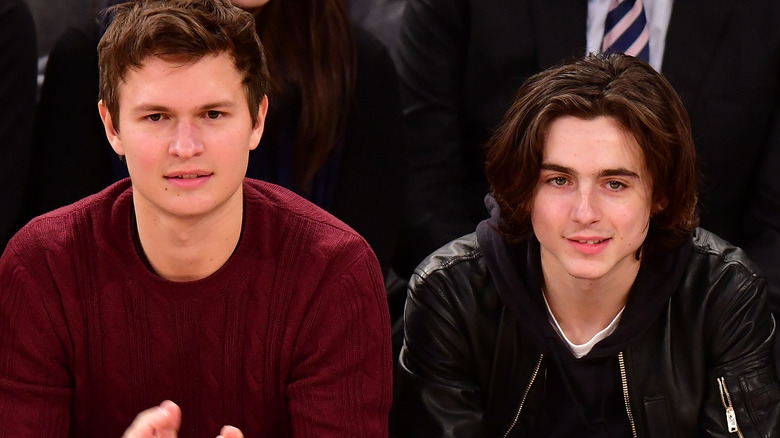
column 731, row 416
column 525, row 394
column 624, row 381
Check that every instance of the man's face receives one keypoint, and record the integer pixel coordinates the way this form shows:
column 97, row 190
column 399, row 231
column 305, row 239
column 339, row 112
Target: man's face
column 186, row 134
column 592, row 203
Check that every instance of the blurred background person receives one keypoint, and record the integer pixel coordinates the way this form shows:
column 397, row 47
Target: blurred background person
column 334, row 125
column 18, row 62
column 71, row 155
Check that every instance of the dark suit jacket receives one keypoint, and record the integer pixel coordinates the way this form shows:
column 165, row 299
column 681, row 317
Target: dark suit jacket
column 380, row 17
column 461, row 62
column 18, row 64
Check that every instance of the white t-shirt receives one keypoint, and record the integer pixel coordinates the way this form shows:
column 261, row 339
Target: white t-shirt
column 580, row 350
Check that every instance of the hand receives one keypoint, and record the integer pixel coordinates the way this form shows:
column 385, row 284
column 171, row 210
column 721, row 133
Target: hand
column 158, row 422
column 164, row 421
column 230, row 432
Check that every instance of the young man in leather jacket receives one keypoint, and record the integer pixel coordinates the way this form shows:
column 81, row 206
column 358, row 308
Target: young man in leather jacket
column 589, row 304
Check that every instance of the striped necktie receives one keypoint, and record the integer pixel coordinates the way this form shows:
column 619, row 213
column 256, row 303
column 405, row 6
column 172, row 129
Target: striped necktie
column 626, row 30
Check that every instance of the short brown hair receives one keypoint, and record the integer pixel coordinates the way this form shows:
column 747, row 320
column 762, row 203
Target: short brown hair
column 617, row 86
column 183, row 31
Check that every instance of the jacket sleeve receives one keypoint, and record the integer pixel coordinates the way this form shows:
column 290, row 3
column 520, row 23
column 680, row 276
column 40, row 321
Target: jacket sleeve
column 743, row 380
column 35, row 382
column 438, row 389
column 430, row 58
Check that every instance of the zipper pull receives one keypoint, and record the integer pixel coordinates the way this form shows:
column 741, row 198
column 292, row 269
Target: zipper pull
column 731, row 416
column 731, row 419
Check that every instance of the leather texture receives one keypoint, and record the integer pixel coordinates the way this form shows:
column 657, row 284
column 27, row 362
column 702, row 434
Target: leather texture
column 468, row 359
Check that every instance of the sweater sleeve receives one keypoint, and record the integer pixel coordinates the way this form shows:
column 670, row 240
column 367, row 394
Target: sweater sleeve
column 340, row 384
column 35, row 383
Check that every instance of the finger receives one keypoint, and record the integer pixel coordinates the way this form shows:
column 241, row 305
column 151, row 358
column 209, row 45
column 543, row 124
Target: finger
column 161, row 421
column 230, row 432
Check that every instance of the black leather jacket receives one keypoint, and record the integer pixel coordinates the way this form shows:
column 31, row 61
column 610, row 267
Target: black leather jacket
column 694, row 344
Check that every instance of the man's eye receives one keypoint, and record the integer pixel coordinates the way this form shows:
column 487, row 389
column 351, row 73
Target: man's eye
column 213, row 114
column 558, row 181
column 154, row 117
column 615, row 185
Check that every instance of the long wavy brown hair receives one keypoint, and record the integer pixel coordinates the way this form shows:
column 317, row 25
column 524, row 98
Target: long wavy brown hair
column 617, row 86
column 311, row 52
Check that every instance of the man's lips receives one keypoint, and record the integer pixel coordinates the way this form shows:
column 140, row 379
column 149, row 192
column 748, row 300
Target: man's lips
column 590, row 241
column 188, row 174
column 189, row 179
column 589, row 244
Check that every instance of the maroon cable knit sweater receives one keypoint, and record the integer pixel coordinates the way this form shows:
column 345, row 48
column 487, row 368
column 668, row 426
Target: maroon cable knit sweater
column 289, row 338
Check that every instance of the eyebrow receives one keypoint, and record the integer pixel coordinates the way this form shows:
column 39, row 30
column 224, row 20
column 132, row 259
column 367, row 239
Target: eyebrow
column 163, row 109
column 620, row 171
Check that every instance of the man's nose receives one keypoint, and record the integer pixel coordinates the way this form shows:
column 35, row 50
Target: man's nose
column 586, row 208
column 186, row 142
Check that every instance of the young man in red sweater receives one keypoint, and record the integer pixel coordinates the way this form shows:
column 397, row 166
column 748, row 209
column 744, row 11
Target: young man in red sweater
column 239, row 301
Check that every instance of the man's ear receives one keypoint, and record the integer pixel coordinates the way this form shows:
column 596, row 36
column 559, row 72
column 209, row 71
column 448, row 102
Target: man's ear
column 659, row 206
column 111, row 132
column 257, row 130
